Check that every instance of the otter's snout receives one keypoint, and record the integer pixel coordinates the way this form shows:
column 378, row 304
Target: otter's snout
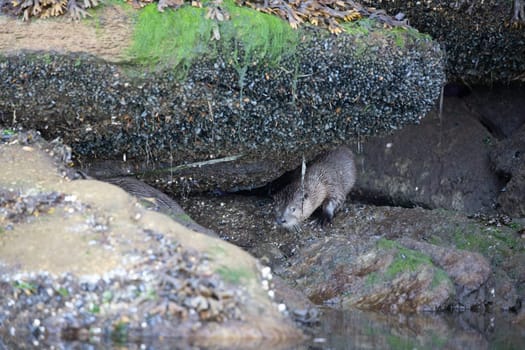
column 280, row 221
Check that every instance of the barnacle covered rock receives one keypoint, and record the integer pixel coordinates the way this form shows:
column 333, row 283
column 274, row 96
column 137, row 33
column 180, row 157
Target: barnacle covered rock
column 483, row 39
column 324, row 13
column 83, row 257
column 48, row 8
column 262, row 89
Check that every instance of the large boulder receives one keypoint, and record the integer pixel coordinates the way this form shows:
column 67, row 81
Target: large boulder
column 441, row 163
column 83, row 259
column 380, row 257
column 173, row 94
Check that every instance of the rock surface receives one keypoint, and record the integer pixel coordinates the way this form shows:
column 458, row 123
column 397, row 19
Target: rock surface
column 432, row 165
column 392, row 259
column 317, row 91
column 483, row 39
column 508, row 159
column 384, row 277
column 84, row 258
column 337, row 264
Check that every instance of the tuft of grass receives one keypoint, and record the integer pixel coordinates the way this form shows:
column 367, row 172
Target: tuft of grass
column 28, row 288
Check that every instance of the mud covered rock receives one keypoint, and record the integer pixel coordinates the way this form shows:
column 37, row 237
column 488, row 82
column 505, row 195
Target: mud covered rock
column 403, row 276
column 498, row 108
column 386, row 277
column 469, row 271
column 442, row 163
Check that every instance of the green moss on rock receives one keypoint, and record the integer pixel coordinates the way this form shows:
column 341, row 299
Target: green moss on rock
column 497, row 244
column 177, row 38
column 408, row 260
column 235, row 276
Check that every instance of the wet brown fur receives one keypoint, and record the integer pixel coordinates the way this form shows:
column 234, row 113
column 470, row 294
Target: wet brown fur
column 327, row 181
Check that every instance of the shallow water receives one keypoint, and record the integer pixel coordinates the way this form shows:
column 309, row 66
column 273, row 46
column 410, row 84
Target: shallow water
column 355, row 330
column 359, row 330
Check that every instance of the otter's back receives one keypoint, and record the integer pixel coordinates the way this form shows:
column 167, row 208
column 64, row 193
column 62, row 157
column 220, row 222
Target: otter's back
column 335, row 169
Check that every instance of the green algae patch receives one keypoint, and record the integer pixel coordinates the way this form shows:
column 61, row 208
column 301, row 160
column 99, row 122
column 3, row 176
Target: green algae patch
column 397, row 342
column 217, row 251
column 363, row 28
column 496, row 243
column 173, row 37
column 264, row 38
column 182, row 217
column 489, row 241
column 358, row 28
column 235, row 275
column 407, row 260
column 177, row 38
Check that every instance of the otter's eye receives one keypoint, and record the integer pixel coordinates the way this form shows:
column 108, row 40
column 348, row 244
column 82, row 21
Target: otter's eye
column 305, row 196
column 292, row 209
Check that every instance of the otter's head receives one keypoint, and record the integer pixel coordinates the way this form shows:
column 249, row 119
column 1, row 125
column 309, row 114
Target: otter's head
column 292, row 210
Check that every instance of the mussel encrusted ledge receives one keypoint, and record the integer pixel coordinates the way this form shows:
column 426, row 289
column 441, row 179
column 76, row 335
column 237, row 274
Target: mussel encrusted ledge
column 331, row 88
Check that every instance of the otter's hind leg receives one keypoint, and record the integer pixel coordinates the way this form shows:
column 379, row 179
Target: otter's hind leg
column 330, row 206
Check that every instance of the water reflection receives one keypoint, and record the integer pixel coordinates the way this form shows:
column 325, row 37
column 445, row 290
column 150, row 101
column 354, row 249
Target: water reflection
column 350, row 330
column 364, row 330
